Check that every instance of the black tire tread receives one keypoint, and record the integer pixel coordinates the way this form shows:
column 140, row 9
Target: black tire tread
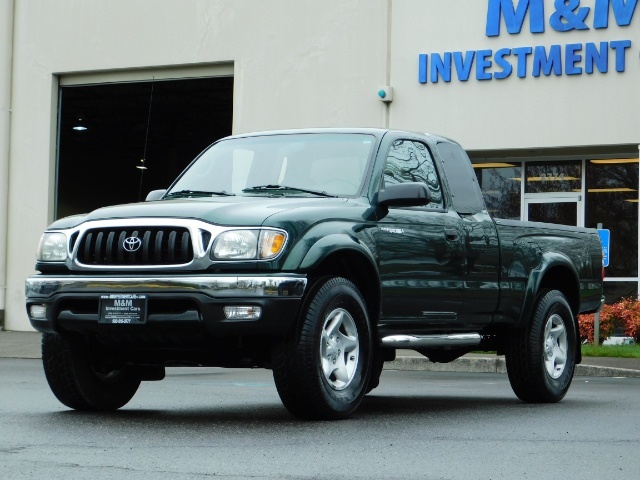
column 59, row 372
column 66, row 364
column 524, row 362
column 293, row 366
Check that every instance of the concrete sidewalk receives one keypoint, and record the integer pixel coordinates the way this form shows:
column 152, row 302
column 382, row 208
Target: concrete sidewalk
column 27, row 345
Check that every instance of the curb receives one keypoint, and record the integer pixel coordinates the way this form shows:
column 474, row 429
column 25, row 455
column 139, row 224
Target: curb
column 494, row 365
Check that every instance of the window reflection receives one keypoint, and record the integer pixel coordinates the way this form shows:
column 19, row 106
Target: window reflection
column 500, row 185
column 553, row 176
column 612, row 199
column 616, row 291
column 562, row 213
column 410, row 161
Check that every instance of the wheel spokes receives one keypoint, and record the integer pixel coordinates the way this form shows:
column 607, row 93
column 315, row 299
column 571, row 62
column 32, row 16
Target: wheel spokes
column 555, row 346
column 339, row 348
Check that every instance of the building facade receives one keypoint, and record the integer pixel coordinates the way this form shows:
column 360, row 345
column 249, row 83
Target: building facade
column 103, row 101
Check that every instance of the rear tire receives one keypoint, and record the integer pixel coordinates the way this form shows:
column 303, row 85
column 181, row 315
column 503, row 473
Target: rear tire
column 322, row 367
column 541, row 357
column 79, row 381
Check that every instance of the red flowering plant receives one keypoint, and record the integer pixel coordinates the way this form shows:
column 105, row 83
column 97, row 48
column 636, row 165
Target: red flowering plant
column 623, row 315
column 633, row 328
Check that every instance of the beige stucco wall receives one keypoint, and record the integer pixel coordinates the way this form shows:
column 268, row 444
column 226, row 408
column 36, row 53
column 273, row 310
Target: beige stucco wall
column 299, row 63
column 6, row 57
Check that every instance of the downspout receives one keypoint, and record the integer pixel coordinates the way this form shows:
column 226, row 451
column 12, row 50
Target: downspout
column 387, row 110
column 6, row 75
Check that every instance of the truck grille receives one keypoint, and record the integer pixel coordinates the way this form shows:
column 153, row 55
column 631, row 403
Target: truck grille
column 135, row 246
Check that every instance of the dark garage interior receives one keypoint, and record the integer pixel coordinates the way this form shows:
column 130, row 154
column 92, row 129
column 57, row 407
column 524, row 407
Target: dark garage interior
column 106, row 130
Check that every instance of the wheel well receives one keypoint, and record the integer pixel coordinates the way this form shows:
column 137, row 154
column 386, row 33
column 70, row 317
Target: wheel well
column 563, row 279
column 357, row 268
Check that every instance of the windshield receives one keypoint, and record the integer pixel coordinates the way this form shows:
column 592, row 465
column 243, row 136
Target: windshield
column 294, row 164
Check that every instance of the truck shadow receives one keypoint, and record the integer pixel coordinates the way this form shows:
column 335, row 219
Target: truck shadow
column 269, row 414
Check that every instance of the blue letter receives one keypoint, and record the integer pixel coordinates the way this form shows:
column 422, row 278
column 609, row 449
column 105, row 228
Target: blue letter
column 440, row 67
column 514, row 17
column 601, row 58
column 622, row 10
column 620, row 46
column 569, row 16
column 463, row 66
column 504, row 64
column 571, row 58
column 543, row 63
column 522, row 53
column 482, row 64
column 422, row 67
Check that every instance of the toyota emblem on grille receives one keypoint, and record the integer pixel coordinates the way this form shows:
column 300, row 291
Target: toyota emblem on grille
column 131, row 244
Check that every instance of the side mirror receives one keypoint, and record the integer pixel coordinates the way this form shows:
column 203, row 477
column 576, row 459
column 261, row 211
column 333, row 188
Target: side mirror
column 155, row 195
column 413, row 194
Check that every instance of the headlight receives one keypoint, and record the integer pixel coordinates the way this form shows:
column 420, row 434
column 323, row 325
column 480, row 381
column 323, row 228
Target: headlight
column 236, row 245
column 52, row 248
column 248, row 245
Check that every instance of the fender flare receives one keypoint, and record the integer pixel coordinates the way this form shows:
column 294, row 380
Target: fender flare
column 548, row 261
column 325, row 246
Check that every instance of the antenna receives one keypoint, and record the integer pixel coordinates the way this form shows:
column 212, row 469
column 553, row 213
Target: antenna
column 142, row 167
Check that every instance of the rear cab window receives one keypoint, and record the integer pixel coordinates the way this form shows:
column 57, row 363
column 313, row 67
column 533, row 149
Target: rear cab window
column 463, row 183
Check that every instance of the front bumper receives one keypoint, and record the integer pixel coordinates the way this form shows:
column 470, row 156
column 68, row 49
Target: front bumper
column 72, row 302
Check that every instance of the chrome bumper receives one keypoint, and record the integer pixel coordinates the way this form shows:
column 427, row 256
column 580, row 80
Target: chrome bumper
column 220, row 286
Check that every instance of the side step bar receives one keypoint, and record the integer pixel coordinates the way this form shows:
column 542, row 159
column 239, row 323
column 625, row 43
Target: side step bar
column 418, row 341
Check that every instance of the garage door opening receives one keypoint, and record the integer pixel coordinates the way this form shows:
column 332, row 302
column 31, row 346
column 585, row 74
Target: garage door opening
column 106, row 130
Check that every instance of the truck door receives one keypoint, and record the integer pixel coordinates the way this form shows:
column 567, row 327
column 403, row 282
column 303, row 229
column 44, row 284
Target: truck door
column 421, row 249
column 482, row 251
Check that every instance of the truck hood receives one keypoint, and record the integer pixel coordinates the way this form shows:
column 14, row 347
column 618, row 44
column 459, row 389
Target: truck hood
column 225, row 211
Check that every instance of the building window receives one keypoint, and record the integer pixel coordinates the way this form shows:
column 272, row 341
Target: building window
column 554, row 176
column 612, row 200
column 500, row 184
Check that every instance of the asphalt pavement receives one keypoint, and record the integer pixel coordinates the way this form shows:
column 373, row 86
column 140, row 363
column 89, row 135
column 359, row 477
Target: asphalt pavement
column 27, row 345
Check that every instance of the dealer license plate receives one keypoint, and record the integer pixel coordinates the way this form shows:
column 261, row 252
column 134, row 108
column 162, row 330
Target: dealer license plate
column 123, row 308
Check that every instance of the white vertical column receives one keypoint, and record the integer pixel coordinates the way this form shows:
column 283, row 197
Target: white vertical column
column 6, row 73
column 638, row 274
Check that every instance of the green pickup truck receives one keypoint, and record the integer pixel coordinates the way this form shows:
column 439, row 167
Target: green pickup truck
column 316, row 254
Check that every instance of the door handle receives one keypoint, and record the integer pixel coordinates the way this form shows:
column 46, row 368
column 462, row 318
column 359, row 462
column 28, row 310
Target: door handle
column 451, row 234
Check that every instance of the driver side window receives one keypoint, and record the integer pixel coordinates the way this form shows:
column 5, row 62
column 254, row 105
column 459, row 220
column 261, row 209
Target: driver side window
column 410, row 161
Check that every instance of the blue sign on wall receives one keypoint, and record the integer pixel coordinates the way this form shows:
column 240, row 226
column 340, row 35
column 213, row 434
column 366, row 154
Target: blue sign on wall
column 605, row 238
column 569, row 16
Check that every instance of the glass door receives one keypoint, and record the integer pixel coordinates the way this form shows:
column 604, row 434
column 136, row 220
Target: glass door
column 563, row 210
column 553, row 193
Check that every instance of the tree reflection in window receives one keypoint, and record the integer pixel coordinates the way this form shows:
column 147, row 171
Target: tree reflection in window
column 410, row 161
column 612, row 199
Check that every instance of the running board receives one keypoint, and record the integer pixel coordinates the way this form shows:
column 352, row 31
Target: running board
column 418, row 341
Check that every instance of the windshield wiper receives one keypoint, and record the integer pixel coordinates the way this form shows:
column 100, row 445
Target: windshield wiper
column 198, row 193
column 285, row 187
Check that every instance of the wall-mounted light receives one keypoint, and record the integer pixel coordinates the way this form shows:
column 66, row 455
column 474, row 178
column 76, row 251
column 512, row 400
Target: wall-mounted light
column 385, row 94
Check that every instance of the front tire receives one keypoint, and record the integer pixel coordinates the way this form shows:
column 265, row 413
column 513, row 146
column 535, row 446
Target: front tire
column 79, row 381
column 540, row 359
column 322, row 367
